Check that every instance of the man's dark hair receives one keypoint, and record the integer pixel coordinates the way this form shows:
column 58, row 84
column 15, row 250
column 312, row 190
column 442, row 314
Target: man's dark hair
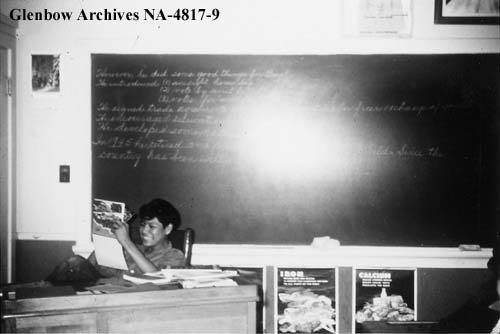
column 162, row 210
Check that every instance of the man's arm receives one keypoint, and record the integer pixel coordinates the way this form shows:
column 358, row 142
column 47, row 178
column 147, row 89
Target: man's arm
column 122, row 235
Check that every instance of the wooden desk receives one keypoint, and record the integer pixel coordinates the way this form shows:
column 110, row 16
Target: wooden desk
column 204, row 310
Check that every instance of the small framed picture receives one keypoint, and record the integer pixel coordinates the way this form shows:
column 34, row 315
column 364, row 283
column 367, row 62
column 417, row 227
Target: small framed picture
column 466, row 12
column 378, row 18
column 45, row 73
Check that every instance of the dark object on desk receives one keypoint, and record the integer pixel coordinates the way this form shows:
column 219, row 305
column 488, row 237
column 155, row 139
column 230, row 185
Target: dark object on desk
column 75, row 271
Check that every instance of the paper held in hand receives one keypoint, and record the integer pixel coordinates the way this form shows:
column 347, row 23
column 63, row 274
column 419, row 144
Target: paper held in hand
column 108, row 250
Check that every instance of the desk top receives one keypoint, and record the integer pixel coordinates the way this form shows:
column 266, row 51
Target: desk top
column 175, row 297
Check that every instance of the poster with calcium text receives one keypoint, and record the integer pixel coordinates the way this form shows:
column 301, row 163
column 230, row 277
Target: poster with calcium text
column 383, row 295
column 306, row 300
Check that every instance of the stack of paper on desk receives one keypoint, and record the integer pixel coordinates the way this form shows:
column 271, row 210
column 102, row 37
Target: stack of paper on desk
column 198, row 274
column 189, row 284
column 155, row 278
column 201, row 278
column 188, row 278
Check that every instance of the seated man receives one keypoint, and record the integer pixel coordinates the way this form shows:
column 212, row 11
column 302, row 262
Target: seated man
column 494, row 264
column 475, row 316
column 158, row 219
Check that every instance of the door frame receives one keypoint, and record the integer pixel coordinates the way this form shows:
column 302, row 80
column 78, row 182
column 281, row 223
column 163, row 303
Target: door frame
column 7, row 147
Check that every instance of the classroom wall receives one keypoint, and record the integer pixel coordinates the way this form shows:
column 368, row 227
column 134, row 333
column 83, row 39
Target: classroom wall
column 55, row 130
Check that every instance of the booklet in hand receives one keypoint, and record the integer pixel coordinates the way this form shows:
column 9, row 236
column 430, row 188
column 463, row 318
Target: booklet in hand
column 108, row 250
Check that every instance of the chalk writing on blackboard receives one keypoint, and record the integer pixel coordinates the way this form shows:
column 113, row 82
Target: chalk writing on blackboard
column 195, row 107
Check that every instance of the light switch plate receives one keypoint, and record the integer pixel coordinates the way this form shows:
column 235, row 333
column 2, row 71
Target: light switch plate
column 64, row 173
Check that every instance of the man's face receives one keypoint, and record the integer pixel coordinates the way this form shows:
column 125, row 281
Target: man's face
column 152, row 232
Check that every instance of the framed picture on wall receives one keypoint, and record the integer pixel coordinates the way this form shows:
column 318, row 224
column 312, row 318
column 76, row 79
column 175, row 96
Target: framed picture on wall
column 378, row 18
column 45, row 73
column 466, row 12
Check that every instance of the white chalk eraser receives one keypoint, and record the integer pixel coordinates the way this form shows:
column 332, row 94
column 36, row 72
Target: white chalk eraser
column 325, row 242
column 469, row 247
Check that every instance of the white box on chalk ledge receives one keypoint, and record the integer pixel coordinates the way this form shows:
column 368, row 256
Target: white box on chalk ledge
column 469, row 247
column 325, row 243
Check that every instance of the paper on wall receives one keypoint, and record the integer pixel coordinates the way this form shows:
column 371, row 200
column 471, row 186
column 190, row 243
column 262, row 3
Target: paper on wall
column 378, row 18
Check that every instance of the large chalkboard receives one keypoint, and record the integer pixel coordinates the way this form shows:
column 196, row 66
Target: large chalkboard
column 368, row 149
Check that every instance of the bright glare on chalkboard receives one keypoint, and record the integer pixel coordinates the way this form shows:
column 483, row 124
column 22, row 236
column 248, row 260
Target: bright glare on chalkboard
column 283, row 141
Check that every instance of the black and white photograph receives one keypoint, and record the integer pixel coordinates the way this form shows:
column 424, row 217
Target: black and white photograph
column 250, row 166
column 467, row 12
column 45, row 73
column 378, row 18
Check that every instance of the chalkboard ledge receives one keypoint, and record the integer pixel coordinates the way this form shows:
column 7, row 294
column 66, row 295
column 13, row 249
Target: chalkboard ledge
column 374, row 256
column 342, row 256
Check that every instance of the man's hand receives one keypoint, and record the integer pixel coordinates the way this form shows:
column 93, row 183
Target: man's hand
column 121, row 233
column 120, row 230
